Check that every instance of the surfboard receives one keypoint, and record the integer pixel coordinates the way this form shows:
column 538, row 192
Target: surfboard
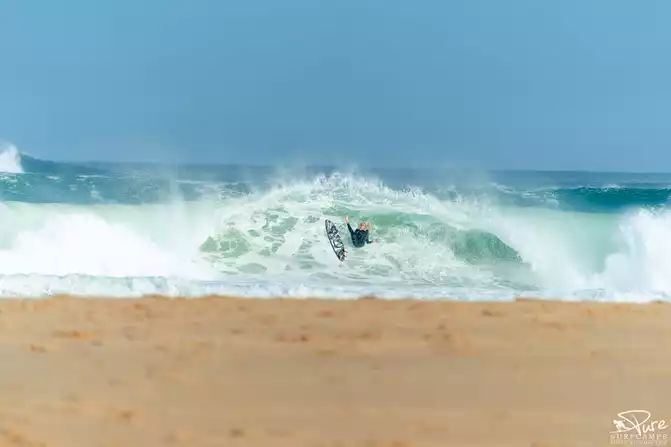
column 335, row 240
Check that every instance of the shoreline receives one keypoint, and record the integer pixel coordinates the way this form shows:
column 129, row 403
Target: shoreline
column 326, row 298
column 85, row 371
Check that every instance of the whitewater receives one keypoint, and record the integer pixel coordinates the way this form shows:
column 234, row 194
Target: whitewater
column 122, row 230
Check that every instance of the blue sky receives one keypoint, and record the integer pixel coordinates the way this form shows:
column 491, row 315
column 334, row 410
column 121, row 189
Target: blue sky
column 501, row 84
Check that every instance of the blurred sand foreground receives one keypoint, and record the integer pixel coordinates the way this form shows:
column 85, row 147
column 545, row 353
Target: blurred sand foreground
column 227, row 371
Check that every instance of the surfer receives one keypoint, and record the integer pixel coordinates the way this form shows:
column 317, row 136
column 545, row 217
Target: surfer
column 360, row 235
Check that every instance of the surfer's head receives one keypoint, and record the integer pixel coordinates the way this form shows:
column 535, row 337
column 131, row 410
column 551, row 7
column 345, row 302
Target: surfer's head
column 362, row 226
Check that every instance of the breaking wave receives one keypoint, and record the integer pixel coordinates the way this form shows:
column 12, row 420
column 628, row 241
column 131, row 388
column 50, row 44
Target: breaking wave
column 120, row 231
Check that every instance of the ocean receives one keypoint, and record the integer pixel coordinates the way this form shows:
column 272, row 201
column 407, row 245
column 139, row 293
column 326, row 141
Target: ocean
column 126, row 230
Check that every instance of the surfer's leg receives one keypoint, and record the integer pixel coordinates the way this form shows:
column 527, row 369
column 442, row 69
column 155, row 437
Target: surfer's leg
column 351, row 232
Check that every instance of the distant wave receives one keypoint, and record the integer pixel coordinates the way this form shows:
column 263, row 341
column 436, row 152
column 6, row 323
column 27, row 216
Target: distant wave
column 608, row 198
column 13, row 161
column 10, row 159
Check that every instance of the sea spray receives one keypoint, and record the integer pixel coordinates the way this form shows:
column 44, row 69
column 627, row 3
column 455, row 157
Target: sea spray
column 10, row 159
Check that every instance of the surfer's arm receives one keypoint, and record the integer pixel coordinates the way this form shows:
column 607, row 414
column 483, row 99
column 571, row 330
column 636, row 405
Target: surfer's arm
column 349, row 227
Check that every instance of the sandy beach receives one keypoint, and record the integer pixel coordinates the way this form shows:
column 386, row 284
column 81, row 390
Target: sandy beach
column 227, row 371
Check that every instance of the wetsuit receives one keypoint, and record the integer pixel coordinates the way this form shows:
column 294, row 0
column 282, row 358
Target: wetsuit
column 359, row 237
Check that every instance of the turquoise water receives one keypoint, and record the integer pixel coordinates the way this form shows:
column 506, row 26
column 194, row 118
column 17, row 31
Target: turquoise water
column 127, row 230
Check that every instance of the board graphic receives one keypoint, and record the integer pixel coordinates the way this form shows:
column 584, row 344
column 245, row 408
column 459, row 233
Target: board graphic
column 335, row 240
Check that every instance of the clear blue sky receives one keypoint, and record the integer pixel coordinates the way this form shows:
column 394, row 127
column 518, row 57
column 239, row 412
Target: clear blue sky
column 571, row 84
